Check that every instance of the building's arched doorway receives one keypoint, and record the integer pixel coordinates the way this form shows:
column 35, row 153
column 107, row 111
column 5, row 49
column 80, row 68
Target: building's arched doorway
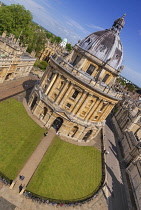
column 57, row 123
column 33, row 102
column 87, row 135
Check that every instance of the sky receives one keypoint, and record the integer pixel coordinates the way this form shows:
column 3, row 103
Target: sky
column 75, row 19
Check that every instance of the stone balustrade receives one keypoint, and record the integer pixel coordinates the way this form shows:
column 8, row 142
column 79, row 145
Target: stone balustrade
column 84, row 77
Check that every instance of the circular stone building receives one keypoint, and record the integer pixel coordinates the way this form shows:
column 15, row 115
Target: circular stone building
column 76, row 92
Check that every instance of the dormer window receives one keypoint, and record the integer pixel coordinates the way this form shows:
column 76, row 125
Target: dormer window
column 91, row 69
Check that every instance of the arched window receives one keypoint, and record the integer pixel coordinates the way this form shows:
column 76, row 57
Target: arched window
column 87, row 135
column 73, row 131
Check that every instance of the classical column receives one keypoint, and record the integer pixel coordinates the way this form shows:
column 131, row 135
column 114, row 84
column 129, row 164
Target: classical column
column 62, row 92
column 90, row 112
column 51, row 83
column 66, row 95
column 82, row 105
column 79, row 103
column 106, row 112
column 95, row 108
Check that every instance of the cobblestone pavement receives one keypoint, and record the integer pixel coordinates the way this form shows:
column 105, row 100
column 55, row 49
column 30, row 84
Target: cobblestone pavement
column 10, row 88
column 22, row 203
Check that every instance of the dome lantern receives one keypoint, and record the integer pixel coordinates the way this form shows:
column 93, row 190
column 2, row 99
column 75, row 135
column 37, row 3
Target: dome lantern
column 118, row 24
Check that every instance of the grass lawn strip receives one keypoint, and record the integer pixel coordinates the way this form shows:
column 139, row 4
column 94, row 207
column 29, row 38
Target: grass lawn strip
column 67, row 171
column 19, row 136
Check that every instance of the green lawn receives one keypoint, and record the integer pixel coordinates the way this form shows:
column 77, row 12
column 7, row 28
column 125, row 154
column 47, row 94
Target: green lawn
column 67, row 171
column 19, row 136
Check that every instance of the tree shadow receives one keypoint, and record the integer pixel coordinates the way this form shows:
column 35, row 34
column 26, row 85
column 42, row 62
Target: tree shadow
column 28, row 87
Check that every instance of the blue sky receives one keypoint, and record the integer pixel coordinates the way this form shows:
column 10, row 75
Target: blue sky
column 76, row 19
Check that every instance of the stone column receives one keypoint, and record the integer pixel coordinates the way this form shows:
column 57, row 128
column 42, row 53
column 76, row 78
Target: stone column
column 51, row 84
column 62, row 92
column 82, row 104
column 90, row 110
column 93, row 110
column 66, row 95
column 106, row 112
column 79, row 103
column 43, row 79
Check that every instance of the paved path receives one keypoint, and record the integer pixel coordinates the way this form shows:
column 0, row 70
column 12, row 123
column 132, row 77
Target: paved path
column 34, row 160
column 116, row 192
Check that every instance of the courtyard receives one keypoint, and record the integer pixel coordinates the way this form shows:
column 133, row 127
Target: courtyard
column 66, row 172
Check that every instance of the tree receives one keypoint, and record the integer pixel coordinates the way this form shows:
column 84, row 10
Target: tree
column 130, row 87
column 41, row 64
column 58, row 39
column 68, row 47
column 14, row 19
column 49, row 35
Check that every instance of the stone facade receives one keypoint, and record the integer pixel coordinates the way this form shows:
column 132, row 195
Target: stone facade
column 76, row 92
column 128, row 117
column 50, row 49
column 15, row 62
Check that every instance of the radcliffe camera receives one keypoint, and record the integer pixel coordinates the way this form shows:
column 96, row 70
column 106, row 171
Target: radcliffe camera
column 70, row 105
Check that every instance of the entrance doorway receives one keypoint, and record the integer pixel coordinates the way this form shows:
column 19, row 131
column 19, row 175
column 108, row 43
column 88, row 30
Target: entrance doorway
column 57, row 123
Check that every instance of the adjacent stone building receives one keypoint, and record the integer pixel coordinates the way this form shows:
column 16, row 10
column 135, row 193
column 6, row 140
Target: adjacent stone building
column 76, row 92
column 15, row 62
column 50, row 49
column 128, row 119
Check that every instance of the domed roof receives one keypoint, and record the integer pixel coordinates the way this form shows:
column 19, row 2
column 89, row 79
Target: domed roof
column 65, row 40
column 106, row 45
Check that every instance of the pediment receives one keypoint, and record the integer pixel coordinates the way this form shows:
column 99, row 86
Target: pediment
column 63, row 114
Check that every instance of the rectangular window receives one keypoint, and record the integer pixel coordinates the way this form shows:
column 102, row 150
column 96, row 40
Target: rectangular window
column 76, row 60
column 91, row 69
column 75, row 94
column 105, row 78
column 68, row 105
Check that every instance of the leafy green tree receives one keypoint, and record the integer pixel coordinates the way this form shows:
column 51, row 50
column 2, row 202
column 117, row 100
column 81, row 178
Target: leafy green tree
column 68, row 47
column 41, row 64
column 14, row 19
column 52, row 40
column 130, row 87
column 58, row 39
column 49, row 35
